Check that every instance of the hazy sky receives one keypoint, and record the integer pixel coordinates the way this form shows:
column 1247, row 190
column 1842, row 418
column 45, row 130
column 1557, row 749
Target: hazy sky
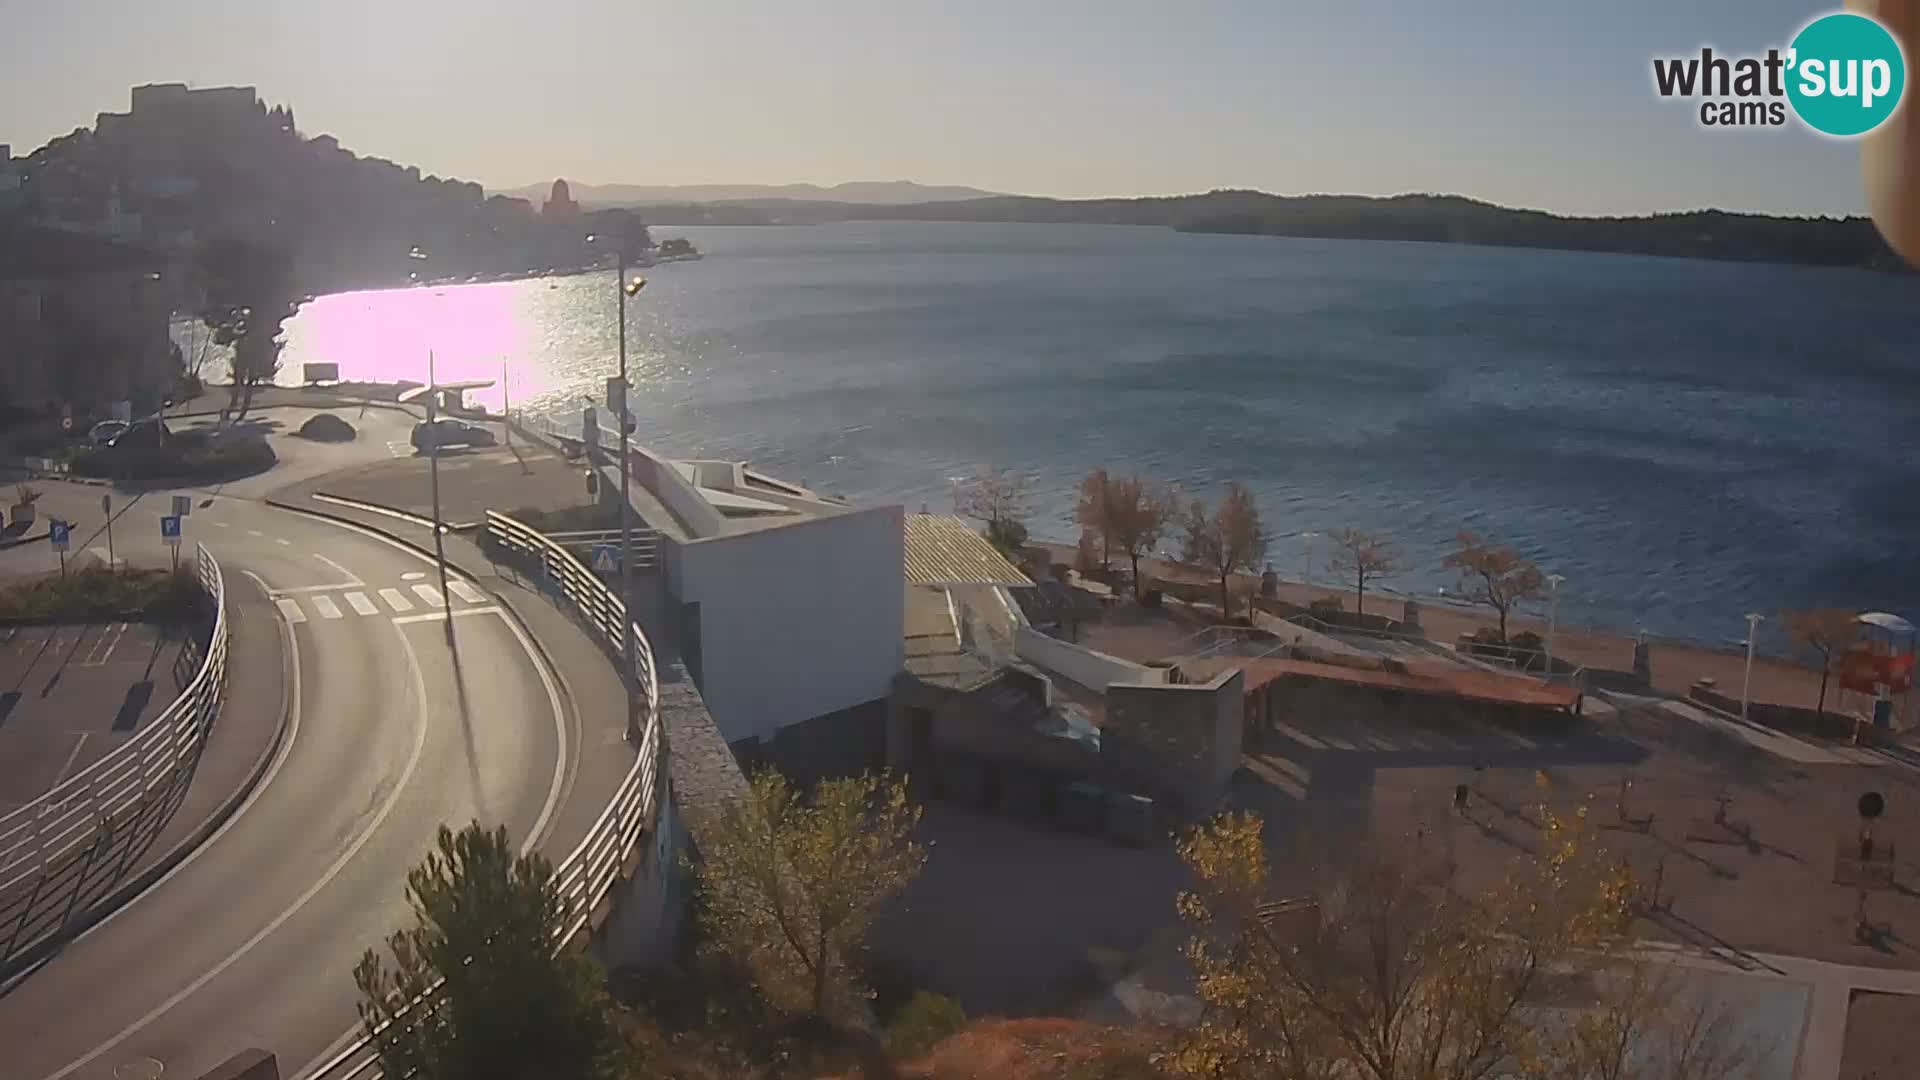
column 1543, row 103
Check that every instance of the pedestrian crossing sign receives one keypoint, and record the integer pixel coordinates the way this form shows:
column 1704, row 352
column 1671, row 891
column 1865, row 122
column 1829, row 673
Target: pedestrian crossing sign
column 606, row 558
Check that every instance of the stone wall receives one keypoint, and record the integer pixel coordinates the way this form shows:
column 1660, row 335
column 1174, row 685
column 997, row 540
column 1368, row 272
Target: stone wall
column 1180, row 743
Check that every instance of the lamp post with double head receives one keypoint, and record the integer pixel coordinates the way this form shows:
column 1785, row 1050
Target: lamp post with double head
column 1746, row 681
column 1553, row 615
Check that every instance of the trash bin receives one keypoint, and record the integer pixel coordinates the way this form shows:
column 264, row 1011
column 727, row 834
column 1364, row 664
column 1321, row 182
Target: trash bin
column 1130, row 818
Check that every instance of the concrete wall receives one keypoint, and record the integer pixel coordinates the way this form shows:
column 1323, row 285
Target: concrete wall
column 1178, row 741
column 796, row 621
column 1093, row 670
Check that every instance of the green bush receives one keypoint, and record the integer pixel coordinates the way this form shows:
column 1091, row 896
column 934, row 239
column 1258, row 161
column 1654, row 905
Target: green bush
column 185, row 457
column 924, row 1020
column 97, row 592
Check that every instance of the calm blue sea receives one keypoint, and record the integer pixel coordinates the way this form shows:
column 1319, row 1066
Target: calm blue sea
column 1684, row 441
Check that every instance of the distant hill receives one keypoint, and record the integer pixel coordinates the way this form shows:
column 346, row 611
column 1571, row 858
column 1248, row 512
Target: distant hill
column 1447, row 219
column 859, row 192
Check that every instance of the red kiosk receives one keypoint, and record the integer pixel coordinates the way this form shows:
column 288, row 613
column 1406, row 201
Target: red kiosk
column 1880, row 663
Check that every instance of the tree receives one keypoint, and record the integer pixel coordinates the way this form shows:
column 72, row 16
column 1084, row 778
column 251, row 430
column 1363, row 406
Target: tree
column 1137, row 515
column 249, row 297
column 1362, row 555
column 1228, row 539
column 790, row 886
column 997, row 498
column 1494, row 576
column 1093, row 512
column 476, row 988
column 1826, row 633
column 1394, row 971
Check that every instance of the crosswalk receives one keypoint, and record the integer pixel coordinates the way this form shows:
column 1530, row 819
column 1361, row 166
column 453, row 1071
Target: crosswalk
column 325, row 605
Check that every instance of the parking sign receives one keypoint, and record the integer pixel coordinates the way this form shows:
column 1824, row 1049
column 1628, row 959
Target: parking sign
column 170, row 528
column 59, row 534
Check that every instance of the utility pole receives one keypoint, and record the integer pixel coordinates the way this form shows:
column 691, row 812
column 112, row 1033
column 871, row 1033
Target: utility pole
column 1746, row 681
column 626, row 500
column 433, row 467
column 506, row 403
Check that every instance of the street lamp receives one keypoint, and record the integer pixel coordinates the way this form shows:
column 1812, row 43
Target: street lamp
column 1306, row 568
column 1553, row 614
column 622, row 290
column 1746, row 682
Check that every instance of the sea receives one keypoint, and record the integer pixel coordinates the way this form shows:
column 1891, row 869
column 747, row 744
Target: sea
column 1683, row 441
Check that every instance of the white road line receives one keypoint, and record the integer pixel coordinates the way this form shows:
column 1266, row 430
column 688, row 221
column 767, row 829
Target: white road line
column 255, row 532
column 219, row 524
column 325, row 606
column 395, row 600
column 282, row 542
column 441, row 616
column 412, row 575
column 340, row 864
column 430, row 594
column 344, row 572
column 71, row 758
column 466, row 592
column 561, row 780
column 360, row 604
column 291, row 610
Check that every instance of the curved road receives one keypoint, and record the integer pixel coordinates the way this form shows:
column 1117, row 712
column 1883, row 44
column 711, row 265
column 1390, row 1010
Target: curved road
column 397, row 727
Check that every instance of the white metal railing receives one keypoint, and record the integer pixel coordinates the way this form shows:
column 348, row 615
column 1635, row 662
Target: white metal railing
column 66, row 849
column 587, row 875
column 657, row 474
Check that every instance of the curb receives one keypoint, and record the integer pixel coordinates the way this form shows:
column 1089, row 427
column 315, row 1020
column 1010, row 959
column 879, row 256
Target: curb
column 131, row 888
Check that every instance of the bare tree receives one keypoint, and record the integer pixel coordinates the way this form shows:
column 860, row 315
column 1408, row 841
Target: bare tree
column 1826, row 633
column 1138, row 511
column 1227, row 539
column 1494, row 576
column 1093, row 513
column 997, row 498
column 1362, row 556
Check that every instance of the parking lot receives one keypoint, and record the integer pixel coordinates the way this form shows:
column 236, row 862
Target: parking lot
column 70, row 694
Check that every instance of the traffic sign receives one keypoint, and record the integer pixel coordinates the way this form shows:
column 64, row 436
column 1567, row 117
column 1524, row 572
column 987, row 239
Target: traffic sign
column 59, row 534
column 606, row 558
column 182, row 505
column 170, row 528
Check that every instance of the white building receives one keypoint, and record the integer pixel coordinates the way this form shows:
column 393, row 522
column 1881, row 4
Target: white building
column 787, row 604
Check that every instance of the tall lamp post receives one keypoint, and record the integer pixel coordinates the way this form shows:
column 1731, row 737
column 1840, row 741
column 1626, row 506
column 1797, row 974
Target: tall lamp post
column 1553, row 615
column 419, row 255
column 1306, row 565
column 1746, row 681
column 622, row 290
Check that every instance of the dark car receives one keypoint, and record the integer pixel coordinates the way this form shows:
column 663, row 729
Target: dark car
column 146, row 434
column 445, row 433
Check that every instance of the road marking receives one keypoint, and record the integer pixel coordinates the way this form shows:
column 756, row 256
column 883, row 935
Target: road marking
column 395, row 600
column 466, row 592
column 430, row 594
column 344, row 572
column 219, row 524
column 282, row 542
column 412, row 575
column 360, row 604
column 325, row 606
column 255, row 532
column 71, row 758
column 441, row 616
column 291, row 610
column 561, row 778
column 333, row 871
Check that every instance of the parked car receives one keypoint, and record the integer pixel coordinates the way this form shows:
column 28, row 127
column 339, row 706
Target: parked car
column 450, row 433
column 106, row 431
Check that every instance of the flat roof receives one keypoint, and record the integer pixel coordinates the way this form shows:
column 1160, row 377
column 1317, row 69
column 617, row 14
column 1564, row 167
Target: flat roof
column 945, row 550
column 1435, row 682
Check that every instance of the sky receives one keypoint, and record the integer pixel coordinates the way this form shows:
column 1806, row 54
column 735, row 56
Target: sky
column 1534, row 103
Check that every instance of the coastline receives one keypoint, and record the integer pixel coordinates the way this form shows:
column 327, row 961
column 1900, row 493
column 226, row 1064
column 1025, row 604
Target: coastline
column 1677, row 663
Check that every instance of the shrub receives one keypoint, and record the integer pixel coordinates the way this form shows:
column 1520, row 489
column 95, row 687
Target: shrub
column 326, row 427
column 97, row 592
column 1327, row 607
column 182, row 458
column 925, row 1020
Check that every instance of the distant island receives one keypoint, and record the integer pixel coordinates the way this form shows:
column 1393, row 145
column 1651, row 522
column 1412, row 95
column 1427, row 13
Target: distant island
column 1449, row 219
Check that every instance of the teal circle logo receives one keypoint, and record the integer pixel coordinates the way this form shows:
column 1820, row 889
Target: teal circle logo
column 1846, row 74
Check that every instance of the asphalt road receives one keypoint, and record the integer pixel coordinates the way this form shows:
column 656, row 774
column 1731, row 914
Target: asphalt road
column 397, row 729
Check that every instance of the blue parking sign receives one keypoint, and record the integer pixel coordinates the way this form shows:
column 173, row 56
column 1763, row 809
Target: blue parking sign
column 170, row 527
column 59, row 534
